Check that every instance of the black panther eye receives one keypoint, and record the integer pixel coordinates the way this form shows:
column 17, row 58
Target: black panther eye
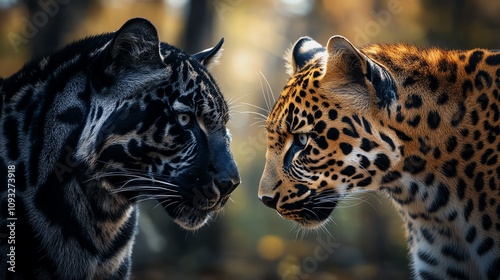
column 183, row 119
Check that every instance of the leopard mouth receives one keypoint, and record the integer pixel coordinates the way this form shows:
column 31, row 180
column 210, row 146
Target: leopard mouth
column 310, row 212
column 310, row 216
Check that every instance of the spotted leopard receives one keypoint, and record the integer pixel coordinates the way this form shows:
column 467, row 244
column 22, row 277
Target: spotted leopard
column 419, row 124
column 93, row 129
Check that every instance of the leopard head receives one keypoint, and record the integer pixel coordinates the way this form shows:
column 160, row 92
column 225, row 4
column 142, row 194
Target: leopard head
column 323, row 139
column 156, row 127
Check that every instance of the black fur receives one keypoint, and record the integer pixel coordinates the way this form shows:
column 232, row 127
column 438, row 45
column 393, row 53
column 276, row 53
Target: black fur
column 94, row 128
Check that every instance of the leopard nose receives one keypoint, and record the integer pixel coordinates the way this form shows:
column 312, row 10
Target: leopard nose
column 270, row 202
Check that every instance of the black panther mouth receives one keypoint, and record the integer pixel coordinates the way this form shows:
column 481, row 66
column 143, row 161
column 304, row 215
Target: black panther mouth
column 192, row 210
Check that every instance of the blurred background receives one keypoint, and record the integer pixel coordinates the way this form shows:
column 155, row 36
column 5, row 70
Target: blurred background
column 365, row 239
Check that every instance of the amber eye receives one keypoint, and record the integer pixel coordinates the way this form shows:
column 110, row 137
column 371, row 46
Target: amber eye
column 302, row 139
column 183, row 119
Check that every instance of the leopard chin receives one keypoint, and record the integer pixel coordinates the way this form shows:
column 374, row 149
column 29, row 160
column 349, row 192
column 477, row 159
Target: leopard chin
column 310, row 216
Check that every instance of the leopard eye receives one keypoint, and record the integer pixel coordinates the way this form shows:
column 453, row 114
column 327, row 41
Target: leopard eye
column 183, row 119
column 302, row 139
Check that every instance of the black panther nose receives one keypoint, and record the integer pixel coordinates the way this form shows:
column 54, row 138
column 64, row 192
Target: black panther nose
column 270, row 202
column 227, row 186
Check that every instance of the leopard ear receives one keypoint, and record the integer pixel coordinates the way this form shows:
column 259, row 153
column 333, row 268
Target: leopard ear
column 345, row 62
column 210, row 56
column 135, row 45
column 356, row 74
column 303, row 51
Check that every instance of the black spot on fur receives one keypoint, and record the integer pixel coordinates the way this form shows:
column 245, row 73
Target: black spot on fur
column 365, row 182
column 428, row 236
column 470, row 170
column 388, row 140
column 471, row 234
column 414, row 164
column 486, row 222
column 320, row 126
column 449, row 168
column 443, row 98
column 451, row 144
column 352, row 132
column 455, row 253
column 479, row 182
column 487, row 157
column 429, row 179
column 482, row 80
column 332, row 134
column 409, row 81
column 367, row 126
column 459, row 114
column 321, row 142
column 346, row 148
column 441, row 198
column 367, row 145
column 467, row 152
column 390, row 177
column 433, row 83
column 399, row 116
column 461, row 186
column 332, row 114
column 469, row 207
column 348, row 170
column 424, row 147
column 485, row 246
column 456, row 273
column 467, row 88
column 474, row 59
column 401, row 135
column 427, row 258
column 433, row 119
column 413, row 101
column 483, row 100
column 414, row 122
column 382, row 162
column 493, row 60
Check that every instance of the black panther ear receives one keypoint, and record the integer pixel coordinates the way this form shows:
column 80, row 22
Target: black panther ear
column 210, row 56
column 302, row 52
column 135, row 45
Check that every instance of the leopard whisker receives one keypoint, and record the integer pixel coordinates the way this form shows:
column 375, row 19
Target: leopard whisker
column 233, row 100
column 256, row 107
column 269, row 91
column 259, row 115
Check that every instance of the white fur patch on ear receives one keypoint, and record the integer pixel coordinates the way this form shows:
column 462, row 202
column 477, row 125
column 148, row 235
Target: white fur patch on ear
column 303, row 51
